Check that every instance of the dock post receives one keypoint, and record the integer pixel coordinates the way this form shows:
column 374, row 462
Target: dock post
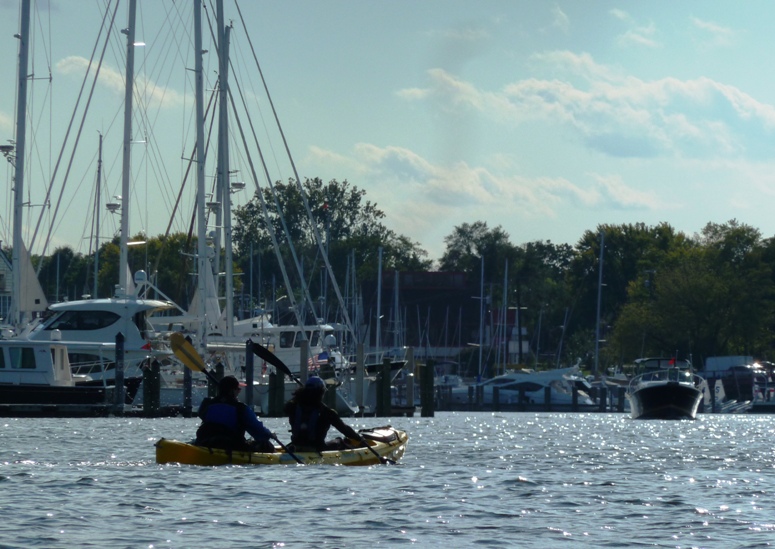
column 304, row 361
column 426, row 390
column 359, row 379
column 151, row 389
column 383, row 389
column 548, row 398
column 276, row 386
column 249, row 369
column 496, row 399
column 329, row 398
column 410, row 377
column 574, row 399
column 620, row 401
column 118, row 405
column 603, row 402
column 212, row 388
column 410, row 390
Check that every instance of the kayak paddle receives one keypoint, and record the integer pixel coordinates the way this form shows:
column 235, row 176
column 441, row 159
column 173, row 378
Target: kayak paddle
column 188, row 356
column 265, row 354
column 382, row 460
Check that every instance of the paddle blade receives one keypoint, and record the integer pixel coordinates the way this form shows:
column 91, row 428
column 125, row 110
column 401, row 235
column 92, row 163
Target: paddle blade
column 186, row 353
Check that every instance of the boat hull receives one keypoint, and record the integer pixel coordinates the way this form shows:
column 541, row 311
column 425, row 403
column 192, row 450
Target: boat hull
column 49, row 394
column 668, row 400
column 388, row 443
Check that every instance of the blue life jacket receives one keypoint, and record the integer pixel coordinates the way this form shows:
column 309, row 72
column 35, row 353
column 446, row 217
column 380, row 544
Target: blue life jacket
column 223, row 425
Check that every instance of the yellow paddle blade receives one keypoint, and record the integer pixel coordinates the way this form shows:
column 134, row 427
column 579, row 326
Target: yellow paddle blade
column 186, row 353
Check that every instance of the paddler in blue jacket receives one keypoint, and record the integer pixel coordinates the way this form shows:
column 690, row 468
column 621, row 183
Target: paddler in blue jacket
column 225, row 420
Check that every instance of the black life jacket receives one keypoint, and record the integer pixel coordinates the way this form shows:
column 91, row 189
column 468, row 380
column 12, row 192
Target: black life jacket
column 305, row 427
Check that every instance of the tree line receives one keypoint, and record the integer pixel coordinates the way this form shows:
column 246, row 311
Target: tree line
column 663, row 292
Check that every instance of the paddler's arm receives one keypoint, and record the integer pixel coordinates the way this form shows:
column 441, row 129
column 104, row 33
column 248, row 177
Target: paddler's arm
column 254, row 427
column 202, row 412
column 342, row 427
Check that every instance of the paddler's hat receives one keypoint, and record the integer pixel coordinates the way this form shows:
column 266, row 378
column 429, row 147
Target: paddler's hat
column 314, row 382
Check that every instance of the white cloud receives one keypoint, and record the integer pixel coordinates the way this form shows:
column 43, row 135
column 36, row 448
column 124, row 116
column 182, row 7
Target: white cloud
column 616, row 114
column 399, row 174
column 560, row 19
column 6, row 123
column 462, row 34
column 641, row 36
column 614, row 190
column 620, row 14
column 713, row 34
column 113, row 80
column 423, row 199
column 637, row 34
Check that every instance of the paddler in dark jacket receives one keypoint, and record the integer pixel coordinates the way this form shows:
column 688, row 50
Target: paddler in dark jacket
column 225, row 421
column 310, row 419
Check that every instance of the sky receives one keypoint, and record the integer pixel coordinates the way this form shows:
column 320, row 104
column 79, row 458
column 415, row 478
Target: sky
column 547, row 119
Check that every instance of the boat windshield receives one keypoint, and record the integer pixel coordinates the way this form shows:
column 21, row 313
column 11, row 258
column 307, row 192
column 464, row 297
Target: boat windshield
column 672, row 374
column 82, row 320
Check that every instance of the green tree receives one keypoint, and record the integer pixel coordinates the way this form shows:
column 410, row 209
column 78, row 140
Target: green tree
column 350, row 226
column 631, row 252
column 711, row 298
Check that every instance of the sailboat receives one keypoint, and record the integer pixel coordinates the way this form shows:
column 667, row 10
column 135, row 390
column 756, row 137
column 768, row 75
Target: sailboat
column 35, row 370
column 96, row 322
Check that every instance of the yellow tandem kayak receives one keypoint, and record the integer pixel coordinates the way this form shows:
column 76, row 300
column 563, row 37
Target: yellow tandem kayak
column 387, row 442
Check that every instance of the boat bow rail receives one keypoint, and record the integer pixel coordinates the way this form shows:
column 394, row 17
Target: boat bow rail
column 665, row 375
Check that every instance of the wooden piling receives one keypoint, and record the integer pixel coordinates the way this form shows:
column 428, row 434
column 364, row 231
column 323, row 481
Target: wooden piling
column 603, row 402
column 329, row 397
column 118, row 404
column 276, row 395
column 383, row 389
column 249, row 373
column 427, row 391
column 152, row 389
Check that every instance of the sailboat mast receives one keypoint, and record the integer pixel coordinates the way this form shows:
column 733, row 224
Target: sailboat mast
column 125, row 198
column 224, row 191
column 599, row 299
column 18, row 176
column 97, row 221
column 378, row 343
column 200, row 174
column 481, row 319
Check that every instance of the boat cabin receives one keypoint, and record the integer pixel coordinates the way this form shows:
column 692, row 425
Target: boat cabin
column 34, row 363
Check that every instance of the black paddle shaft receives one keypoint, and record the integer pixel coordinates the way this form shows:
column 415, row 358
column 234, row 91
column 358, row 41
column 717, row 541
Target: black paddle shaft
column 265, row 354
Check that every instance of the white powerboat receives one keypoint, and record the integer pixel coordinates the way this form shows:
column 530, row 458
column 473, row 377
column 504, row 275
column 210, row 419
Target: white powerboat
column 529, row 383
column 38, row 373
column 664, row 388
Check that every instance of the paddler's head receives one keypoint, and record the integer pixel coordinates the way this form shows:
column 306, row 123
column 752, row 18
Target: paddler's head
column 228, row 387
column 315, row 384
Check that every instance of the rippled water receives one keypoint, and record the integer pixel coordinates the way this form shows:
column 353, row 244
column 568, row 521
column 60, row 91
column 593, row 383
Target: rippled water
column 486, row 479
